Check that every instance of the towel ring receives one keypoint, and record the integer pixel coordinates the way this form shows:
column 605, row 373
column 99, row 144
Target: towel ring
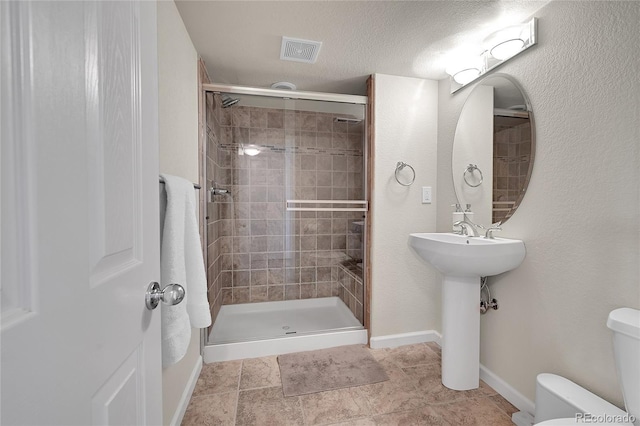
column 401, row 165
column 470, row 169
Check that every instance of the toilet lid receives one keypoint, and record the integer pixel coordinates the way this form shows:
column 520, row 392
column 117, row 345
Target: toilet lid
column 572, row 422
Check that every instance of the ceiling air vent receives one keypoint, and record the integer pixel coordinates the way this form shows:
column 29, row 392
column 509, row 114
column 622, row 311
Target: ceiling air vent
column 298, row 50
column 283, row 85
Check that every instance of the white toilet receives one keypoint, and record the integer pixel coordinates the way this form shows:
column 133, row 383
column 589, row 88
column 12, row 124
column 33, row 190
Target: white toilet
column 560, row 401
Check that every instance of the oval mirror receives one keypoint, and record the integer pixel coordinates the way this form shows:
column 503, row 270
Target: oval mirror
column 493, row 149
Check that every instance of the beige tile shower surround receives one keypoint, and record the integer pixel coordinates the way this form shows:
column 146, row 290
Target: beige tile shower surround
column 257, row 251
column 511, row 161
column 350, row 287
column 249, row 392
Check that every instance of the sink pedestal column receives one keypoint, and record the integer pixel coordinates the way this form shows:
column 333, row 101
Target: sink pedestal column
column 461, row 332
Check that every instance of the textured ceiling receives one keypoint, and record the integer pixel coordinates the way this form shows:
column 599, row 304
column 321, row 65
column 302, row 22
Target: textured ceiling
column 240, row 40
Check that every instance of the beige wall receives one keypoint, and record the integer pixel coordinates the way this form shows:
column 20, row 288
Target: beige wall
column 405, row 289
column 178, row 116
column 580, row 216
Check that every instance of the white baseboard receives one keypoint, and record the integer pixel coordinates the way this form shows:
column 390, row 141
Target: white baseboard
column 506, row 390
column 395, row 340
column 186, row 395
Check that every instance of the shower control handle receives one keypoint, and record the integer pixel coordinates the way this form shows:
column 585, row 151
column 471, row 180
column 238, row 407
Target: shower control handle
column 171, row 295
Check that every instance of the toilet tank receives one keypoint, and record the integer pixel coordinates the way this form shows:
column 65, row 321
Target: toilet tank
column 625, row 324
column 558, row 398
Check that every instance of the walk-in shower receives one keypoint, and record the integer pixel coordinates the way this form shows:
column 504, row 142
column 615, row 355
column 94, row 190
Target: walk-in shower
column 285, row 220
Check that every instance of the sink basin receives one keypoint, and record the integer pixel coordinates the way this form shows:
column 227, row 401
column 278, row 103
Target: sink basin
column 460, row 255
column 463, row 260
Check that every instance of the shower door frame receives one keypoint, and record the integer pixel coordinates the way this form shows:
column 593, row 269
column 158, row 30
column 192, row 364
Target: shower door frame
column 218, row 88
column 285, row 94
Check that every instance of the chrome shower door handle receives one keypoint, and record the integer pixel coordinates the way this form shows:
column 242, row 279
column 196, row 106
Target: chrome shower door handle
column 171, row 295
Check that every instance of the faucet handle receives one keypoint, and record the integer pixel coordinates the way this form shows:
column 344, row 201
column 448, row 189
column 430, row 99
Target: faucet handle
column 489, row 233
column 464, row 227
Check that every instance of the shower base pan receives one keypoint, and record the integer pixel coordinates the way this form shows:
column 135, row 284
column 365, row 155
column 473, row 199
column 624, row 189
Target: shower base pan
column 252, row 330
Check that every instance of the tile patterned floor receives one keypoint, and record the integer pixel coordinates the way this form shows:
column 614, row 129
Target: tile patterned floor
column 249, row 392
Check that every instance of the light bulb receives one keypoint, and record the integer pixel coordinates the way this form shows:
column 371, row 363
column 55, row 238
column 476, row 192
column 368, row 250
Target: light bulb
column 251, row 150
column 506, row 42
column 466, row 76
column 465, row 70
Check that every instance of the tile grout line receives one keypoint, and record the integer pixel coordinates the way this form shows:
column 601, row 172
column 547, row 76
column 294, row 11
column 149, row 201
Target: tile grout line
column 304, row 418
column 235, row 413
column 263, row 387
column 362, row 395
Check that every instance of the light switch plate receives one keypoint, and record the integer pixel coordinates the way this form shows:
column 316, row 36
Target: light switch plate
column 426, row 195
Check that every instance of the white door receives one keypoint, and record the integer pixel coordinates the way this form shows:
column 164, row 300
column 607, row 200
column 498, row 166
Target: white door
column 79, row 213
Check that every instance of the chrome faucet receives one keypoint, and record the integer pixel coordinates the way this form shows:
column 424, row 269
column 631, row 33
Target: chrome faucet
column 219, row 191
column 215, row 190
column 465, row 225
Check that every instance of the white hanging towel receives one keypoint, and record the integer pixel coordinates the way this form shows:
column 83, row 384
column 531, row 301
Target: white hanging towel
column 181, row 262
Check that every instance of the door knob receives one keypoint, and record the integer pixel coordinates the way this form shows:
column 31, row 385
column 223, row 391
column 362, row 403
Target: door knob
column 171, row 295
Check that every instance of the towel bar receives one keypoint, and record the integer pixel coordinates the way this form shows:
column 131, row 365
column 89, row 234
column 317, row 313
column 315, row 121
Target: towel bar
column 195, row 185
column 363, row 206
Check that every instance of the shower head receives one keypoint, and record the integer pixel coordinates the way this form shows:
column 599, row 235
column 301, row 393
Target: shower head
column 228, row 101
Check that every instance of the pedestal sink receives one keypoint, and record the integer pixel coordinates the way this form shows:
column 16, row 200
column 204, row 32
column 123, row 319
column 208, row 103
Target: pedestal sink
column 463, row 260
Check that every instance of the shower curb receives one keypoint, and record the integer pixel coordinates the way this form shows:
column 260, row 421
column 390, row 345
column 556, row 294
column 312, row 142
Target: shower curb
column 279, row 346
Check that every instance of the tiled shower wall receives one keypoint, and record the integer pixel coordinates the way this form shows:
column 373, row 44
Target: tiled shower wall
column 511, row 159
column 258, row 251
column 348, row 275
column 214, row 213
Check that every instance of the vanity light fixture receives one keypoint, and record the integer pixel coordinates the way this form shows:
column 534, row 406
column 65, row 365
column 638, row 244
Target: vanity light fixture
column 510, row 41
column 465, row 70
column 499, row 47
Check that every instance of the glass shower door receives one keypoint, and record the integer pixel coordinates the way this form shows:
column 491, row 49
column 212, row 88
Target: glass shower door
column 291, row 226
